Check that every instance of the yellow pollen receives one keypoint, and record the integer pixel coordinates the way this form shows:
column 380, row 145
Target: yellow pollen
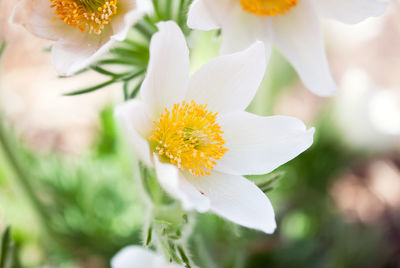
column 268, row 7
column 86, row 15
column 189, row 137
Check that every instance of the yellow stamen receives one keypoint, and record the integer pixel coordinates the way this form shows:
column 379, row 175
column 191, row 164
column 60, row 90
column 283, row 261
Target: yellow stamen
column 86, row 15
column 268, row 7
column 189, row 137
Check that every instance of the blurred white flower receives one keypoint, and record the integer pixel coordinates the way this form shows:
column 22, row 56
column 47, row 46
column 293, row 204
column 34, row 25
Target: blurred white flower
column 369, row 117
column 138, row 257
column 196, row 134
column 292, row 25
column 82, row 29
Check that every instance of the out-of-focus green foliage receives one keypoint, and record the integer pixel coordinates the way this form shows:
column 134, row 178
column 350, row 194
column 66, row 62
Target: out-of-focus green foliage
column 88, row 206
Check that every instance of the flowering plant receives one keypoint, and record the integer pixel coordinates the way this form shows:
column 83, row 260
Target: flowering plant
column 185, row 122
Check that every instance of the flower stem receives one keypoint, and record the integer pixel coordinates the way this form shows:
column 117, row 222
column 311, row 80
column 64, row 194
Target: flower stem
column 22, row 176
column 167, row 222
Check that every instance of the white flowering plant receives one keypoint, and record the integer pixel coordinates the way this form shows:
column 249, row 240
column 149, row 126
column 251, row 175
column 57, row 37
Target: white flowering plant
column 187, row 134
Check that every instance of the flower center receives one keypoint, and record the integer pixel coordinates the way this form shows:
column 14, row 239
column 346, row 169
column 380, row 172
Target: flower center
column 268, row 7
column 189, row 137
column 90, row 15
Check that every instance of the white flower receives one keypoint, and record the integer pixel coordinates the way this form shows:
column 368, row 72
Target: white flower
column 82, row 29
column 292, row 25
column 138, row 257
column 196, row 134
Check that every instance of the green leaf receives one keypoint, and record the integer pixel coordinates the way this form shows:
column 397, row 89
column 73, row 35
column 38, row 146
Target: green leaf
column 132, row 75
column 136, row 45
column 135, row 55
column 7, row 250
column 267, row 182
column 2, row 47
column 168, row 9
column 91, row 89
column 125, row 90
column 144, row 28
column 156, row 7
column 136, row 90
column 149, row 235
column 115, row 62
column 184, row 256
column 115, row 79
column 75, row 74
column 101, row 70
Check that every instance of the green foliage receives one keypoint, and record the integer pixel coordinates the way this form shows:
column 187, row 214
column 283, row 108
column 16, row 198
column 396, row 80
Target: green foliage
column 267, row 182
column 87, row 206
column 8, row 256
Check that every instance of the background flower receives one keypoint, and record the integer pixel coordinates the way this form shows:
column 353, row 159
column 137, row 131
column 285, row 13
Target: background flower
column 293, row 26
column 78, row 41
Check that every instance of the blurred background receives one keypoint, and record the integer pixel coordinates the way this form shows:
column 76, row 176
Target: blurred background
column 68, row 189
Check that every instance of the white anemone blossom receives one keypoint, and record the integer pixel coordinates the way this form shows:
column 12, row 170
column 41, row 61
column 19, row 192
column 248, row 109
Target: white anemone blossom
column 292, row 25
column 196, row 134
column 82, row 30
column 138, row 257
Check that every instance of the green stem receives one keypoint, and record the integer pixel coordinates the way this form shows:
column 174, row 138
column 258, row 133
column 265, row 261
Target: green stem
column 125, row 90
column 165, row 222
column 172, row 250
column 184, row 256
column 157, row 9
column 168, row 9
column 180, row 13
column 22, row 176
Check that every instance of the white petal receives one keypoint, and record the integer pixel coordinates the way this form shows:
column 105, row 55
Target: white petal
column 258, row 145
column 229, row 83
column 145, row 6
column 70, row 57
column 201, row 16
column 127, row 16
column 298, row 36
column 351, row 11
column 240, row 29
column 37, row 17
column 238, row 200
column 136, row 125
column 178, row 187
column 168, row 72
column 138, row 257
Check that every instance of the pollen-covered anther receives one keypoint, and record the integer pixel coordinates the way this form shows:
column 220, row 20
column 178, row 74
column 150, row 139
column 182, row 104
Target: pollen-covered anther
column 268, row 7
column 86, row 15
column 189, row 137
